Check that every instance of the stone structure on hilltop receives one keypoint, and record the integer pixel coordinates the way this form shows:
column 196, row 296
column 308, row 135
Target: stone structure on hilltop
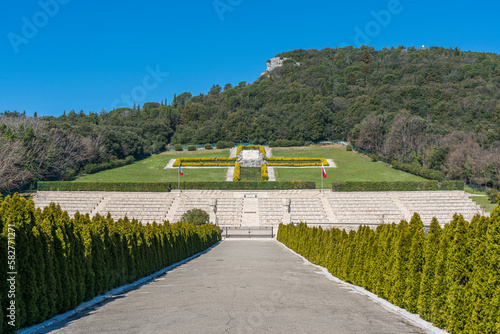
column 251, row 158
column 274, row 63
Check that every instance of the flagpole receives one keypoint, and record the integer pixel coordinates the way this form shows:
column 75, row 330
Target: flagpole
column 322, row 179
column 179, row 179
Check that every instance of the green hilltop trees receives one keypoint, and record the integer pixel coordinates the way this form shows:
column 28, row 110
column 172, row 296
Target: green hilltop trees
column 450, row 276
column 63, row 261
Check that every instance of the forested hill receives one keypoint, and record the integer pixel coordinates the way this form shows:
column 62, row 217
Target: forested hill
column 331, row 92
column 437, row 108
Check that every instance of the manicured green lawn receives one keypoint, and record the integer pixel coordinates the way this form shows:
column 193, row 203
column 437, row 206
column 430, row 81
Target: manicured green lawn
column 482, row 200
column 151, row 169
column 250, row 174
column 351, row 166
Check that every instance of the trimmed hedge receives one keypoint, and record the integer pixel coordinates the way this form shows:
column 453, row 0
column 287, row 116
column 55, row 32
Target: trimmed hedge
column 263, row 172
column 167, row 186
column 286, row 143
column 449, row 276
column 251, row 147
column 220, row 161
column 426, row 173
column 397, row 185
column 62, row 262
column 94, row 168
column 237, row 172
column 297, row 162
column 106, row 186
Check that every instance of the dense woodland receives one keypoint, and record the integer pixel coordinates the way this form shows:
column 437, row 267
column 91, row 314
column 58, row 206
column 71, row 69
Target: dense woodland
column 438, row 108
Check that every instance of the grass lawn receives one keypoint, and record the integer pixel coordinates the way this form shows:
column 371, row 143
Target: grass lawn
column 351, row 166
column 481, row 200
column 250, row 174
column 151, row 169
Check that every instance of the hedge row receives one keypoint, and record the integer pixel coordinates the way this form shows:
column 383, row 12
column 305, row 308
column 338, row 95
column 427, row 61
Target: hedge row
column 237, row 172
column 297, row 162
column 292, row 164
column 250, row 147
column 427, row 173
column 286, row 143
column 167, row 186
column 106, row 186
column 94, row 168
column 206, row 164
column 62, row 262
column 451, row 276
column 263, row 172
column 397, row 185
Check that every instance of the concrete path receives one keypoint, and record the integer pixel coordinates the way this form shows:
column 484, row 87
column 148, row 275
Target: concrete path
column 240, row 286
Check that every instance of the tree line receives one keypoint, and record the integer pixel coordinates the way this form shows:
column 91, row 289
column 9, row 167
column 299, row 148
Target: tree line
column 449, row 276
column 62, row 261
column 436, row 108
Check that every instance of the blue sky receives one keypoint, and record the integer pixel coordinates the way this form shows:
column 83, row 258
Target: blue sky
column 58, row 55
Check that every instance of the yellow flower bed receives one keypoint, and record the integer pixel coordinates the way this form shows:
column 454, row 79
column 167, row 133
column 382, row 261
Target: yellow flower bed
column 204, row 162
column 263, row 172
column 237, row 171
column 260, row 147
column 290, row 164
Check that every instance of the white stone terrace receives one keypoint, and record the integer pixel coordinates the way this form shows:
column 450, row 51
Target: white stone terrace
column 270, row 208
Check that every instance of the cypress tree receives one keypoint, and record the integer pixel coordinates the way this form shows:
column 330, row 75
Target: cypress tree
column 440, row 287
column 493, row 256
column 415, row 263
column 477, row 295
column 400, row 270
column 457, row 277
column 431, row 247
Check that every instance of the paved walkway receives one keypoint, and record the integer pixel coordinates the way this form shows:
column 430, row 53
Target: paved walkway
column 240, row 286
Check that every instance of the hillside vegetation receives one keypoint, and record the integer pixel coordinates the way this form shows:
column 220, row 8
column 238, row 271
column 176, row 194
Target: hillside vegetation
column 438, row 108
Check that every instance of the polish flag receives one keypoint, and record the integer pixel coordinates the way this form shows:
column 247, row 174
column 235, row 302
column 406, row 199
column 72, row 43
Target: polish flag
column 180, row 170
column 323, row 171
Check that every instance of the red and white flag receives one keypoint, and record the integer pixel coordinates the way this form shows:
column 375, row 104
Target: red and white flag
column 323, row 171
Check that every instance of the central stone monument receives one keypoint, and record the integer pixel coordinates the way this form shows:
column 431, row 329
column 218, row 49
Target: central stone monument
column 250, row 158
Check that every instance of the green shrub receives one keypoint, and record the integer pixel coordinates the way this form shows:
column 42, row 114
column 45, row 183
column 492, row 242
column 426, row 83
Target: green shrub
column 167, row 186
column 397, row 185
column 68, row 174
column 224, row 144
column 191, row 148
column 178, row 147
column 208, row 146
column 427, row 173
column 348, row 147
column 373, row 157
column 285, row 143
column 196, row 216
column 493, row 195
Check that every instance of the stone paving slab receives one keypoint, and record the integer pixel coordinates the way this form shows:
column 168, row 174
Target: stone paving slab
column 241, row 286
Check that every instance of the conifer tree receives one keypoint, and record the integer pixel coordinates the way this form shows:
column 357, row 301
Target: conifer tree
column 431, row 247
column 400, row 270
column 476, row 294
column 493, row 256
column 415, row 263
column 457, row 277
column 439, row 287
